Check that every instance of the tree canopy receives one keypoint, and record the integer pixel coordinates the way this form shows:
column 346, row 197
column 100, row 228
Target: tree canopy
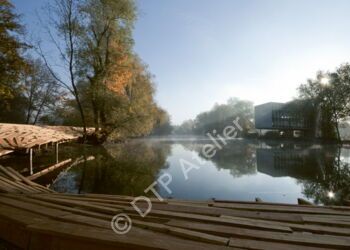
column 220, row 116
column 329, row 94
column 12, row 63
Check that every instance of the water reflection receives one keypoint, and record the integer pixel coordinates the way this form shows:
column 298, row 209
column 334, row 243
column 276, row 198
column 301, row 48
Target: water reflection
column 322, row 171
column 118, row 169
column 242, row 170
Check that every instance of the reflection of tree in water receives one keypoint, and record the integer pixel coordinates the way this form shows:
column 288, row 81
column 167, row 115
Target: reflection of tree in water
column 236, row 156
column 125, row 168
column 334, row 187
column 320, row 171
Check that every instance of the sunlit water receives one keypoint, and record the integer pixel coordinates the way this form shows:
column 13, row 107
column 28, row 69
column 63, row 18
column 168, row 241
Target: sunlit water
column 240, row 170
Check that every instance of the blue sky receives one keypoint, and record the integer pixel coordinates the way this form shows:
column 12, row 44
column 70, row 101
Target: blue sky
column 204, row 51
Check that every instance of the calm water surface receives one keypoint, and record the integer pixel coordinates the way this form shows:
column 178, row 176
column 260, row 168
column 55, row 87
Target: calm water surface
column 241, row 170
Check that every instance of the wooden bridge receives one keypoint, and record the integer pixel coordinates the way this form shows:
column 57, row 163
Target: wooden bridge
column 34, row 217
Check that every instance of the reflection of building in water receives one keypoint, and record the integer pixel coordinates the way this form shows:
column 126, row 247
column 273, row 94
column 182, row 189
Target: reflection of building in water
column 297, row 163
column 275, row 115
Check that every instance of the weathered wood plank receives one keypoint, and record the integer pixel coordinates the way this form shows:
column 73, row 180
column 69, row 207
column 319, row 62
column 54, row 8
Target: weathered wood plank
column 50, row 212
column 49, row 169
column 301, row 239
column 285, row 209
column 263, row 245
column 9, row 173
column 137, row 238
column 238, row 222
column 81, row 204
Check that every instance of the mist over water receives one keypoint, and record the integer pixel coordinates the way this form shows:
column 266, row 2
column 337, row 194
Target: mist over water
column 241, row 170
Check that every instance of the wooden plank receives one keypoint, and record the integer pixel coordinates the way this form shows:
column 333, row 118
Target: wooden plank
column 136, row 238
column 4, row 187
column 184, row 233
column 80, row 204
column 50, row 212
column 301, row 239
column 30, row 183
column 9, row 174
column 218, row 220
column 228, row 202
column 13, row 224
column 49, row 169
column 63, row 208
column 18, row 185
column 285, row 209
column 263, row 245
column 326, row 221
column 20, row 216
column 306, row 227
column 198, row 236
column 188, row 208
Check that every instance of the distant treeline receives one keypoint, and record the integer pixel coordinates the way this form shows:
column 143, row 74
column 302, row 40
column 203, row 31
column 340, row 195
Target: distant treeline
column 216, row 119
column 323, row 101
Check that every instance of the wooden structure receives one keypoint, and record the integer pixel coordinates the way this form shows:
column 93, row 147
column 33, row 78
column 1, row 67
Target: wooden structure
column 33, row 217
column 26, row 138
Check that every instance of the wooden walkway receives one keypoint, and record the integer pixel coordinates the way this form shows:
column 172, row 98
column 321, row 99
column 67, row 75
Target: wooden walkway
column 34, row 217
column 23, row 137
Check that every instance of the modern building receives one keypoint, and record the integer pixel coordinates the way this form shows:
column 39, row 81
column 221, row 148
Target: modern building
column 279, row 116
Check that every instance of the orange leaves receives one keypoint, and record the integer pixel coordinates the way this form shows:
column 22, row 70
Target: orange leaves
column 121, row 70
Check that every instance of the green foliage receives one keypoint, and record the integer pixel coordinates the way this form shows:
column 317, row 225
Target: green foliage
column 330, row 96
column 12, row 63
column 163, row 125
column 135, row 114
column 186, row 128
column 219, row 117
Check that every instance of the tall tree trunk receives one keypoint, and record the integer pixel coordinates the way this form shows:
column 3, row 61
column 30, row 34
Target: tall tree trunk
column 96, row 116
column 29, row 112
column 81, row 111
column 38, row 112
column 337, row 129
column 71, row 69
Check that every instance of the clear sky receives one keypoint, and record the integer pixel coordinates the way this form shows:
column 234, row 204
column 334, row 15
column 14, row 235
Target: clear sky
column 204, row 51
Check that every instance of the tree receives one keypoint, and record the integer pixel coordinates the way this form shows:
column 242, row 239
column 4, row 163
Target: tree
column 135, row 112
column 40, row 89
column 186, row 128
column 220, row 116
column 12, row 64
column 105, row 50
column 112, row 88
column 163, row 124
column 65, row 30
column 330, row 93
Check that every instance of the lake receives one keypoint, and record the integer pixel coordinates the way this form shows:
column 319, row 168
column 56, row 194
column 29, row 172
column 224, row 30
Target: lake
column 240, row 170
